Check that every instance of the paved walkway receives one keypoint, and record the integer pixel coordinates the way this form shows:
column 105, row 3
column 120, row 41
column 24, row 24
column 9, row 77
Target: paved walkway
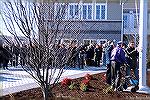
column 15, row 79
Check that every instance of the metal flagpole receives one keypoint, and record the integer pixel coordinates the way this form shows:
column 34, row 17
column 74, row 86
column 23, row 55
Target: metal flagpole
column 143, row 88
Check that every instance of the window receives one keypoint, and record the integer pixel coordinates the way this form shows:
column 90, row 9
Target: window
column 136, row 18
column 69, row 41
column 89, row 41
column 86, row 42
column 84, row 11
column 125, row 21
column 60, row 11
column 100, row 11
column 97, row 11
column 87, row 11
column 130, row 21
column 101, row 41
column 76, row 10
column 73, row 11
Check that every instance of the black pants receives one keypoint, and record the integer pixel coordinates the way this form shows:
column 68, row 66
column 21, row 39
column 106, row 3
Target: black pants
column 5, row 63
column 108, row 74
column 97, row 61
column 115, row 74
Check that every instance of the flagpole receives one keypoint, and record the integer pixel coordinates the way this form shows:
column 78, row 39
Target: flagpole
column 143, row 88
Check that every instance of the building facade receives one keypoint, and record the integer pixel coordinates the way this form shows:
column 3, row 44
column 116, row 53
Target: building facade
column 99, row 20
column 131, row 20
column 87, row 21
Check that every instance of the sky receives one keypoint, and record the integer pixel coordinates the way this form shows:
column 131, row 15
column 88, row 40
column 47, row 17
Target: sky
column 3, row 28
column 2, row 25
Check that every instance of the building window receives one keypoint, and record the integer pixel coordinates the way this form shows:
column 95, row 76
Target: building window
column 87, row 11
column 89, row 41
column 84, row 11
column 136, row 18
column 101, row 41
column 125, row 21
column 103, row 10
column 100, row 11
column 97, row 11
column 130, row 21
column 74, row 11
column 71, row 11
column 61, row 10
column 69, row 41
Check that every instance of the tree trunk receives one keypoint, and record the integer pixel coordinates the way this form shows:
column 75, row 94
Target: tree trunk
column 47, row 95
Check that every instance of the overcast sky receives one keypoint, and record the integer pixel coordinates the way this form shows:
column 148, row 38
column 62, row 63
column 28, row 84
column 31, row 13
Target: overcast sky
column 2, row 25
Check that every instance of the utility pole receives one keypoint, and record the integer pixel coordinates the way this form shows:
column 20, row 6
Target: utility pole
column 122, row 21
column 143, row 88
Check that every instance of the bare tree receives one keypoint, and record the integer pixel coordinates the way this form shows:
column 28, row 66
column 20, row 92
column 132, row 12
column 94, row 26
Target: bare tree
column 42, row 25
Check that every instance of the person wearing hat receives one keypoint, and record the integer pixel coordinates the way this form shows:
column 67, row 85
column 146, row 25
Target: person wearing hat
column 117, row 59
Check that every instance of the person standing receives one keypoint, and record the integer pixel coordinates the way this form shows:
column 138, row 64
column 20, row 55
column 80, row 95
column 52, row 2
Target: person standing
column 7, row 56
column 132, row 59
column 82, row 56
column 98, row 55
column 107, row 52
column 117, row 59
column 1, row 55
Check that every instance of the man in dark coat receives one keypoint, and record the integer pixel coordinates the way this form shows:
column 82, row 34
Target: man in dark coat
column 7, row 56
column 107, row 52
column 132, row 59
column 16, row 52
column 4, row 56
column 90, row 56
column 98, row 55
column 82, row 56
column 1, row 55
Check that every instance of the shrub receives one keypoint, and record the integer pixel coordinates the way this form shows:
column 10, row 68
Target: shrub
column 72, row 86
column 104, row 77
column 86, row 82
column 66, row 82
column 88, row 76
column 83, row 87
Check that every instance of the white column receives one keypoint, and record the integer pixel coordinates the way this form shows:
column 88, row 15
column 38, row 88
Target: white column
column 94, row 10
column 122, row 28
column 143, row 47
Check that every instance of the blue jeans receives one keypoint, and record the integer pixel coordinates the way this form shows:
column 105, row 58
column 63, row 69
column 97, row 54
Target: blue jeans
column 135, row 70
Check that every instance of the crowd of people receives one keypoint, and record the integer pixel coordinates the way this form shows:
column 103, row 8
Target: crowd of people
column 80, row 56
column 11, row 54
column 110, row 55
column 119, row 56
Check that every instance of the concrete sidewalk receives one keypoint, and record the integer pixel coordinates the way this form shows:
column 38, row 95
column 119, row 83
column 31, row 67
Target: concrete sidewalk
column 16, row 79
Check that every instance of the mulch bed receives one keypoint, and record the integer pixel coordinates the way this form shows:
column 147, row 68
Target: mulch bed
column 96, row 92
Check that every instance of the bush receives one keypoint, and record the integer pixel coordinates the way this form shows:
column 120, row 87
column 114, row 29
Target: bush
column 83, row 87
column 66, row 82
column 88, row 76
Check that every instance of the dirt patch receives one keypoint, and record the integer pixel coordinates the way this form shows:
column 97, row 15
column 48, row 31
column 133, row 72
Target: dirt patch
column 96, row 92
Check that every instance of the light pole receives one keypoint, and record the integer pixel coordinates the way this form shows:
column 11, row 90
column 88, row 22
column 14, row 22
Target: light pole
column 143, row 88
column 122, row 21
